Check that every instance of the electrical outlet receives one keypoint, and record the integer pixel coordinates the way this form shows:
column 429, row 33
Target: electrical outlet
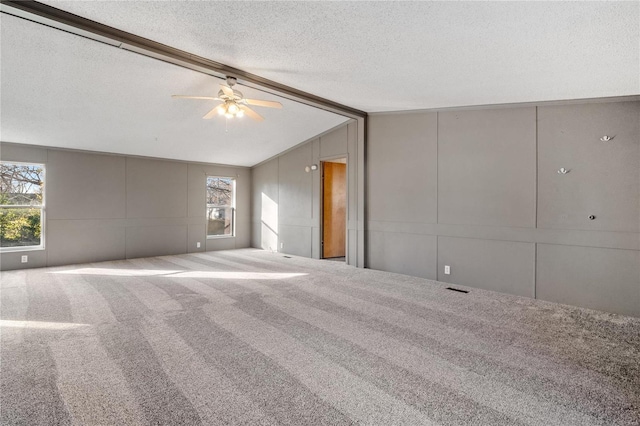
column 281, row 245
column 198, row 244
column 447, row 270
column 24, row 259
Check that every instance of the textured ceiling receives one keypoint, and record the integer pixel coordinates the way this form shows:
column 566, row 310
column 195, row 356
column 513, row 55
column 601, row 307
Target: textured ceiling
column 61, row 90
column 385, row 56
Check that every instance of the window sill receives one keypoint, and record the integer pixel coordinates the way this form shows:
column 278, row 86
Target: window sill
column 219, row 237
column 4, row 250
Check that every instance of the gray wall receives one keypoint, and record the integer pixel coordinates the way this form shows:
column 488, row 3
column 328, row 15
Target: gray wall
column 285, row 205
column 478, row 190
column 105, row 207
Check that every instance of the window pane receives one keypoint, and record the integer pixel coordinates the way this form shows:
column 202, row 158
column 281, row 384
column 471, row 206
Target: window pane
column 220, row 208
column 20, row 227
column 219, row 191
column 219, row 221
column 21, row 184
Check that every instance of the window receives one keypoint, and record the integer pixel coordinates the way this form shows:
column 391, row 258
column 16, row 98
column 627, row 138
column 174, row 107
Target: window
column 21, row 206
column 220, row 206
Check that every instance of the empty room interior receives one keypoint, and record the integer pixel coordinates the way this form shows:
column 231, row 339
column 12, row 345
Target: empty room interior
column 319, row 213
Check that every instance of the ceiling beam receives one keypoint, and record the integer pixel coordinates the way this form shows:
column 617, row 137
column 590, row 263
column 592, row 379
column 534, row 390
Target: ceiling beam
column 69, row 22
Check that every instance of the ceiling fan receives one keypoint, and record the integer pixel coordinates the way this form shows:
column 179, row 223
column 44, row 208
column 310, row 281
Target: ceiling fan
column 234, row 104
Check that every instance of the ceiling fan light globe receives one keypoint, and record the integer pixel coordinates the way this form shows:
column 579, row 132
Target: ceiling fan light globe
column 233, row 109
column 240, row 114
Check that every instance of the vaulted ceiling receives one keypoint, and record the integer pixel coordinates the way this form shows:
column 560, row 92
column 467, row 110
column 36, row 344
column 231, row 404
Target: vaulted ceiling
column 62, row 90
column 390, row 56
column 59, row 89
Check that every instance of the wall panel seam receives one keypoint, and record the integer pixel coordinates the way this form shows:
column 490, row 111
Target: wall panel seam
column 437, row 167
column 536, row 176
column 526, row 241
column 509, row 228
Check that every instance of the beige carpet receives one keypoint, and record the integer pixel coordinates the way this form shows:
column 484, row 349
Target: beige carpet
column 251, row 337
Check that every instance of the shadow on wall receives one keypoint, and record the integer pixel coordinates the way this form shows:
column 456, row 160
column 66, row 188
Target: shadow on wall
column 269, row 226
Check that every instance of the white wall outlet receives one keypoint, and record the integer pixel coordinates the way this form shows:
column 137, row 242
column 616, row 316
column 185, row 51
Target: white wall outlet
column 24, row 259
column 198, row 244
column 281, row 245
column 447, row 270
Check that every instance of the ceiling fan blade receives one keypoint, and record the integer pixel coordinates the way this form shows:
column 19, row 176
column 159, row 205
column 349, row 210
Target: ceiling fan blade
column 195, row 97
column 213, row 112
column 227, row 90
column 268, row 104
column 251, row 113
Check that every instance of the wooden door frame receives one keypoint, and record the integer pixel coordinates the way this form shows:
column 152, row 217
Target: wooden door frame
column 346, row 222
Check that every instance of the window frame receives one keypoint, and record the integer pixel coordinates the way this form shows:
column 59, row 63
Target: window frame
column 42, row 208
column 232, row 206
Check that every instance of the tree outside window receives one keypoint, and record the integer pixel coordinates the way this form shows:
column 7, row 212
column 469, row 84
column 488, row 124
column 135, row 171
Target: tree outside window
column 220, row 206
column 21, row 205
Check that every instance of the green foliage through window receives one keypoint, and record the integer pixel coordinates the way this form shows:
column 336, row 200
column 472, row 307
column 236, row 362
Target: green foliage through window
column 21, row 203
column 20, row 227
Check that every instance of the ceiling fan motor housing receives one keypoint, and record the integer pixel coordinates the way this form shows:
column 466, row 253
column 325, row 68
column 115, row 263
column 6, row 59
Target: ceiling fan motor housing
column 237, row 96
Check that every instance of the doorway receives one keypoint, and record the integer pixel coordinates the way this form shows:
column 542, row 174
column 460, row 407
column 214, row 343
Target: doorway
column 334, row 208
